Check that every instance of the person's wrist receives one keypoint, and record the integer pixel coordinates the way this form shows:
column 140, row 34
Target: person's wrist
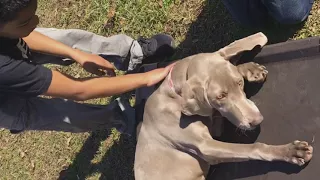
column 143, row 79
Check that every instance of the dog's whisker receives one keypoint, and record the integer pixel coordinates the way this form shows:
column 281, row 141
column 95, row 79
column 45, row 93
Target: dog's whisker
column 244, row 132
column 238, row 131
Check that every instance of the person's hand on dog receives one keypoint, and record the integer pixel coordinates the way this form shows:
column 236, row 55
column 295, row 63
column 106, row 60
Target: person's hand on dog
column 155, row 76
column 94, row 63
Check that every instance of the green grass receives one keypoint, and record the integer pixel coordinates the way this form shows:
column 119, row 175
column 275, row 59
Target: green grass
column 197, row 25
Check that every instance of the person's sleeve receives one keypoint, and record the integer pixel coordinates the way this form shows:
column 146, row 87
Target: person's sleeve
column 19, row 77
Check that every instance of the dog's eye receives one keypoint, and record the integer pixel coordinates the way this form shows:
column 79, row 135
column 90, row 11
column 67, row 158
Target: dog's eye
column 241, row 83
column 222, row 96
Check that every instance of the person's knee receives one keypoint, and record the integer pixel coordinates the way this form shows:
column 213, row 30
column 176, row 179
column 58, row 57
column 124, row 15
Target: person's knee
column 123, row 37
column 290, row 11
column 251, row 13
column 293, row 17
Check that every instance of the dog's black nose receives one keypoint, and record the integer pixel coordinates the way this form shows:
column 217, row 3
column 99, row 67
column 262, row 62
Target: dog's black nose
column 253, row 124
column 256, row 121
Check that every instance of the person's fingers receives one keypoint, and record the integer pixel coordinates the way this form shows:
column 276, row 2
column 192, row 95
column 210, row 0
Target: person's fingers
column 94, row 69
column 107, row 67
column 97, row 72
column 166, row 70
column 170, row 66
column 157, row 75
column 100, row 73
column 111, row 73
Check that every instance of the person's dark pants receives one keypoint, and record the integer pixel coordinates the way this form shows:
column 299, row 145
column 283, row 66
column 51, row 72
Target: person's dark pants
column 257, row 12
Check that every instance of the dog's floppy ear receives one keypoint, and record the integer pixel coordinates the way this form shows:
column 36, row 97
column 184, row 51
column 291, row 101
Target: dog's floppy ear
column 193, row 100
column 245, row 44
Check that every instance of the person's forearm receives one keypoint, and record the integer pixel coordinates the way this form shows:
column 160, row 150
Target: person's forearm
column 44, row 44
column 85, row 89
column 109, row 86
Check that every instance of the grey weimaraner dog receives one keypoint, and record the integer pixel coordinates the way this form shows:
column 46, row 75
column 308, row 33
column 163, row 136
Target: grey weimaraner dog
column 174, row 139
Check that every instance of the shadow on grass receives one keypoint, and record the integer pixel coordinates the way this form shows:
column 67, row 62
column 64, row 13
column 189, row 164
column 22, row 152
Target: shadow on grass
column 213, row 29
column 116, row 164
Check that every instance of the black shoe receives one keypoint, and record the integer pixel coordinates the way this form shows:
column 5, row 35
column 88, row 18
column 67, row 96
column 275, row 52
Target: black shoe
column 158, row 46
column 155, row 49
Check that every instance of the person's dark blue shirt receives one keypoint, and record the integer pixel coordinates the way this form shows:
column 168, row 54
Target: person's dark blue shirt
column 19, row 76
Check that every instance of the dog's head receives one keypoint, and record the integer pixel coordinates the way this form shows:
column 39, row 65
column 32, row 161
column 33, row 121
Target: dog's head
column 213, row 83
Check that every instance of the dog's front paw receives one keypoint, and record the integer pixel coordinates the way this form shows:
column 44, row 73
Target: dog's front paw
column 298, row 152
column 253, row 72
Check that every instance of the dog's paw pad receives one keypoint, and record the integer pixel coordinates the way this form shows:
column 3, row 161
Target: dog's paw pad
column 299, row 152
column 298, row 161
column 254, row 72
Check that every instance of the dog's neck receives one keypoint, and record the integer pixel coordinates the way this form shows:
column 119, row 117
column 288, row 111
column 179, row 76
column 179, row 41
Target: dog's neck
column 177, row 77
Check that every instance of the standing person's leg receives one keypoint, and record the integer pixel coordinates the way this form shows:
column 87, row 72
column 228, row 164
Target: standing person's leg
column 124, row 51
column 289, row 11
column 247, row 12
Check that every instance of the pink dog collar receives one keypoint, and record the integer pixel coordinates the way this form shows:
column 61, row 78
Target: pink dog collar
column 171, row 85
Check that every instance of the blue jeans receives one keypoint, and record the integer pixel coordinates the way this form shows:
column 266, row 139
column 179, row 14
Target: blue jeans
column 256, row 12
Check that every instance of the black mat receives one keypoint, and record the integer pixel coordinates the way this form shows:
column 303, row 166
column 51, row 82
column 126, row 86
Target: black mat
column 290, row 103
